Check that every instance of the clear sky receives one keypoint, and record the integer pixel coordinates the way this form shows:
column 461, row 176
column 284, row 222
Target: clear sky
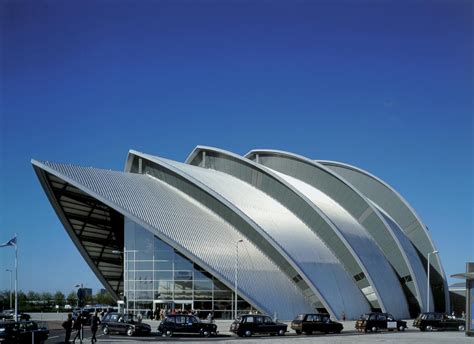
column 383, row 85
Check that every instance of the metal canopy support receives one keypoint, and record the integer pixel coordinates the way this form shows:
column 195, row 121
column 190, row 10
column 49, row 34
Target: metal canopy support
column 83, row 212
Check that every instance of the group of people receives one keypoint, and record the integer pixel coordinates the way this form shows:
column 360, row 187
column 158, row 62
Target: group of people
column 78, row 324
column 161, row 313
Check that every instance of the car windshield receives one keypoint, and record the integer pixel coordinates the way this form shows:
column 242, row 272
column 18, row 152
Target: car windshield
column 299, row 317
column 130, row 318
column 365, row 317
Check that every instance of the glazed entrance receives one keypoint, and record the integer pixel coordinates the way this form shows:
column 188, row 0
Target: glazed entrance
column 157, row 276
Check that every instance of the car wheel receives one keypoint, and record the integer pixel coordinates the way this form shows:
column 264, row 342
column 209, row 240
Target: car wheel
column 461, row 328
column 281, row 332
column 106, row 330
column 169, row 333
column 401, row 328
column 248, row 333
column 129, row 331
column 205, row 333
column 429, row 328
column 374, row 329
column 298, row 332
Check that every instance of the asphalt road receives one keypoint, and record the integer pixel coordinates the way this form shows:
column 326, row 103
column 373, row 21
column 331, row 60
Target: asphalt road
column 349, row 336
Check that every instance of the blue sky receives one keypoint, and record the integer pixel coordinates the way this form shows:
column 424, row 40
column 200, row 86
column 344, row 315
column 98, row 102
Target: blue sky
column 383, row 85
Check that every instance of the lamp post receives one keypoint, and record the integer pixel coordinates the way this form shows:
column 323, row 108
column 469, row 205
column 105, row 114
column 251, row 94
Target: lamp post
column 236, row 273
column 80, row 294
column 11, row 288
column 428, row 280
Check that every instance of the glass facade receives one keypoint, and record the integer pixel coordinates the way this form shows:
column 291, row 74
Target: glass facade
column 159, row 277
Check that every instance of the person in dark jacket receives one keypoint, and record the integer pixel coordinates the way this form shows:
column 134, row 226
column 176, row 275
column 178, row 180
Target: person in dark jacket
column 67, row 325
column 95, row 322
column 78, row 327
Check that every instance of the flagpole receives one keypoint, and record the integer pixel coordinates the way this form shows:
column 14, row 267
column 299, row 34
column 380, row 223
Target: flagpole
column 16, row 279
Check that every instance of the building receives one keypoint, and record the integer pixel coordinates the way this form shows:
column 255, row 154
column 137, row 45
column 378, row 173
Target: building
column 295, row 235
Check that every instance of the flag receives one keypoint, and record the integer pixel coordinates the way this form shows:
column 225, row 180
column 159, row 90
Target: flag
column 11, row 242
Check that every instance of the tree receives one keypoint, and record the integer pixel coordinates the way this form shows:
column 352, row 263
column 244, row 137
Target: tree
column 72, row 298
column 58, row 298
column 32, row 296
column 105, row 299
column 46, row 297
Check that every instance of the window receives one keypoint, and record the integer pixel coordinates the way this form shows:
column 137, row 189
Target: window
column 381, row 317
column 259, row 320
column 180, row 319
column 192, row 320
column 268, row 320
column 249, row 320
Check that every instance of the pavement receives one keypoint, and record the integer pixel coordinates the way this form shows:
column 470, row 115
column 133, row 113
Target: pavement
column 349, row 335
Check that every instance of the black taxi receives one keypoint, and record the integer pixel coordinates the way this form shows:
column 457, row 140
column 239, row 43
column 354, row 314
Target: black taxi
column 13, row 332
column 186, row 324
column 430, row 321
column 249, row 324
column 376, row 321
column 124, row 324
column 309, row 323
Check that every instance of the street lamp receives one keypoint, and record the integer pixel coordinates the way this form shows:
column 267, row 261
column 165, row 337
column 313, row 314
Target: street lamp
column 428, row 280
column 11, row 273
column 236, row 272
column 80, row 294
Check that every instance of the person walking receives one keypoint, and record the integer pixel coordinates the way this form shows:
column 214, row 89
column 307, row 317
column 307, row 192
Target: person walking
column 95, row 322
column 77, row 326
column 67, row 325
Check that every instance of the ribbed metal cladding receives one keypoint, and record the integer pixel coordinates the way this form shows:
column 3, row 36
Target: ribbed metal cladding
column 193, row 230
column 388, row 199
column 318, row 265
column 377, row 269
column 363, row 212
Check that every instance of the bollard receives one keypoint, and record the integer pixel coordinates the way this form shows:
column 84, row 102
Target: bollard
column 33, row 337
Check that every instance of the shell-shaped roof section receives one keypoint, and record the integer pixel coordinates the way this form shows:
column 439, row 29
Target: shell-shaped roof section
column 388, row 199
column 318, row 265
column 359, row 207
column 376, row 267
column 192, row 229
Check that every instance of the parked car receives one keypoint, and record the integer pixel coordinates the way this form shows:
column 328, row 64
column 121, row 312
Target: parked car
column 374, row 322
column 439, row 321
column 124, row 324
column 186, row 324
column 249, row 324
column 9, row 314
column 22, row 332
column 309, row 323
column 84, row 314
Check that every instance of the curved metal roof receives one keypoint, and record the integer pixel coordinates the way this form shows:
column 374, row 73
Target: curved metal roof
column 385, row 196
column 197, row 233
column 305, row 251
column 325, row 234
column 380, row 274
column 361, row 209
